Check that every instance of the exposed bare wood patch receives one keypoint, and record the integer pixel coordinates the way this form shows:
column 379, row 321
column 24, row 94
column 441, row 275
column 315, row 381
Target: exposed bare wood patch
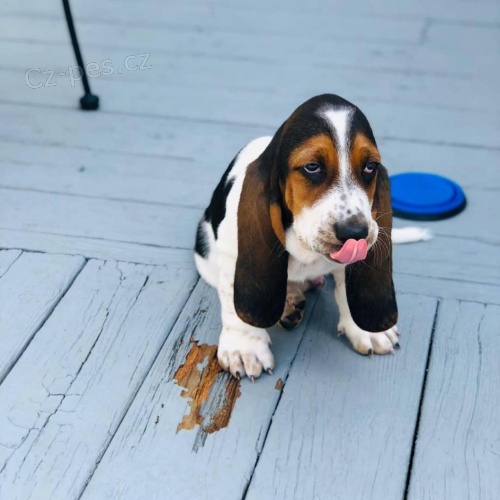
column 279, row 385
column 212, row 392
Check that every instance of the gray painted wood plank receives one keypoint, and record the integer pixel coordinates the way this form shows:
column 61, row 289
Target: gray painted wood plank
column 447, row 288
column 185, row 29
column 124, row 133
column 102, row 181
column 446, row 10
column 344, row 426
column 243, row 89
column 64, row 399
column 98, row 248
column 457, row 453
column 29, row 290
column 140, row 93
column 7, row 258
column 96, row 221
column 104, row 165
column 468, row 38
column 143, row 177
column 147, row 135
column 459, row 259
column 205, row 125
column 457, row 163
column 148, row 457
column 421, row 85
column 268, row 49
column 472, row 224
column 118, row 221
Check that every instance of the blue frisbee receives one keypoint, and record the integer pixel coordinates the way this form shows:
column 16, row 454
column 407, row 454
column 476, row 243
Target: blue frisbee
column 423, row 196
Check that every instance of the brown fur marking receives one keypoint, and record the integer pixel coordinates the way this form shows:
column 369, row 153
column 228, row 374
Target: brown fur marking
column 363, row 151
column 261, row 268
column 277, row 222
column 299, row 192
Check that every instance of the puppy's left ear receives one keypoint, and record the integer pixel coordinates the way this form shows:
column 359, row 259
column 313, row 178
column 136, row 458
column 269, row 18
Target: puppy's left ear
column 370, row 289
column 262, row 263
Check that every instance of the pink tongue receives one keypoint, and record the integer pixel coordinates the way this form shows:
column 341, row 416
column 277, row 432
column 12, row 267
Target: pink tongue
column 351, row 251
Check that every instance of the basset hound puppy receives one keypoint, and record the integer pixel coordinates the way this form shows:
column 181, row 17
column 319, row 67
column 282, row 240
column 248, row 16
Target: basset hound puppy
column 313, row 199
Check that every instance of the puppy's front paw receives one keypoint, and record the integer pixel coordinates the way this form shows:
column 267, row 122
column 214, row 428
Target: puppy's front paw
column 370, row 342
column 245, row 352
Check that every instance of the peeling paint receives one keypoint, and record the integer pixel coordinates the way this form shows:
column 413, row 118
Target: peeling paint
column 279, row 385
column 211, row 391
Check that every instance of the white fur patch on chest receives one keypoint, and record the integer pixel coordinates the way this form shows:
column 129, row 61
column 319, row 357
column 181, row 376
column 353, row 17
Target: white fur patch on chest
column 303, row 264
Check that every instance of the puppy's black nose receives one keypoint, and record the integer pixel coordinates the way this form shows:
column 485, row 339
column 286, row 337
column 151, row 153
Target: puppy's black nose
column 351, row 230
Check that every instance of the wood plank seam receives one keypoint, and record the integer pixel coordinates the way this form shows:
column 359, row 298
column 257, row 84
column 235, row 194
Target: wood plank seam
column 134, row 395
column 48, row 314
column 94, row 238
column 442, row 278
column 140, row 287
column 110, row 198
column 164, row 117
column 421, row 403
column 13, row 262
column 75, row 376
column 99, row 256
column 128, row 154
column 282, row 385
column 457, row 450
column 261, row 127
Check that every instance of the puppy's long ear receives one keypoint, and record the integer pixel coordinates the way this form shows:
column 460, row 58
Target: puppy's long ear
column 261, row 268
column 370, row 289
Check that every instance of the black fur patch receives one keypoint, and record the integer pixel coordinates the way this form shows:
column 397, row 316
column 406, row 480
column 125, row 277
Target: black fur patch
column 201, row 245
column 216, row 211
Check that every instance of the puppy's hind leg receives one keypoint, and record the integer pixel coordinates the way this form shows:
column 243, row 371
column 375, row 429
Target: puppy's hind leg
column 295, row 304
column 205, row 255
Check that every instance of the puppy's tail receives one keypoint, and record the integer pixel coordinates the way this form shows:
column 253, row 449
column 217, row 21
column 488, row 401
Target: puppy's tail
column 410, row 235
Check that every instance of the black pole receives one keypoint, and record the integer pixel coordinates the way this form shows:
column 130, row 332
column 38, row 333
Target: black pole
column 89, row 101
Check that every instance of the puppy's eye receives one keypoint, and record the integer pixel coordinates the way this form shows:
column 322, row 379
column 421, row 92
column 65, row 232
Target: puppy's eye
column 312, row 168
column 369, row 171
column 315, row 173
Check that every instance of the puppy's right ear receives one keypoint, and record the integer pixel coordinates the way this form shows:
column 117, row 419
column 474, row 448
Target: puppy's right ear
column 369, row 286
column 261, row 268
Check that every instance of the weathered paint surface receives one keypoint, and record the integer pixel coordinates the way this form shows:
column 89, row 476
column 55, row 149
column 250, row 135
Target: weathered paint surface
column 211, row 402
column 109, row 384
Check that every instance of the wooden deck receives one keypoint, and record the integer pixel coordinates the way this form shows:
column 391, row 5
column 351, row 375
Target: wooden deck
column 109, row 385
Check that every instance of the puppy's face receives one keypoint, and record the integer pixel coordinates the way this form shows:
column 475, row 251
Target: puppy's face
column 330, row 161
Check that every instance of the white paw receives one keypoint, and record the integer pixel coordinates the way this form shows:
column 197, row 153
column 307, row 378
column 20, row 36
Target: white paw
column 370, row 342
column 245, row 352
